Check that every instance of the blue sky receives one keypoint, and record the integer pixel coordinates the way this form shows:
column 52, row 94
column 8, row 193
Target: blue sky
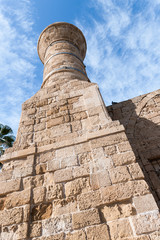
column 123, row 47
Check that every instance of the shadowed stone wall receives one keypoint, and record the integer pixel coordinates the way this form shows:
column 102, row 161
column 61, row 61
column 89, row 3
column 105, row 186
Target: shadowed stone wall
column 72, row 173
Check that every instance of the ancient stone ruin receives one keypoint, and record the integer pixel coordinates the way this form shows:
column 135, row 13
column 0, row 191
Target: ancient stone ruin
column 79, row 170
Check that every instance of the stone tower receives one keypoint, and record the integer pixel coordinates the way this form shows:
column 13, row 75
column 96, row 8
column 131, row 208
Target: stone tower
column 72, row 173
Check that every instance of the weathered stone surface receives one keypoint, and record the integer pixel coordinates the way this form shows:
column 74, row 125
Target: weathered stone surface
column 14, row 232
column 89, row 200
column 76, row 186
column 124, row 191
column 120, row 229
column 12, row 216
column 63, row 175
column 60, row 236
column 119, row 174
column 36, row 229
column 41, row 211
column 145, row 203
column 41, row 168
column 123, row 158
column 98, row 232
column 85, row 218
column 76, row 235
column 135, row 171
column 18, row 198
column 9, row 186
column 24, row 167
column 54, row 191
column 56, row 225
column 145, row 223
column 117, row 211
column 39, row 194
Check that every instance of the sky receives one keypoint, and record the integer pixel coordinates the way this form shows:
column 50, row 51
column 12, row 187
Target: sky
column 123, row 47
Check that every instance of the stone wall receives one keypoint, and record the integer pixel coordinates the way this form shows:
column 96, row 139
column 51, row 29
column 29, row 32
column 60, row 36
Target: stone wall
column 72, row 173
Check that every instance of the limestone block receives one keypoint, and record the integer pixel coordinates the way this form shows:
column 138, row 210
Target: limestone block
column 41, row 168
column 76, row 126
column 14, row 232
column 48, row 179
column 69, row 161
column 79, row 116
column 63, row 175
column 98, row 232
column 110, row 150
column 46, row 156
column 36, row 181
column 54, row 191
column 145, row 223
column 18, row 198
column 9, row 186
column 76, row 235
column 54, row 122
column 53, row 165
column 123, row 158
column 135, row 171
column 145, row 203
column 35, row 229
column 124, row 191
column 81, row 171
column 124, row 147
column 89, row 200
column 84, row 157
column 26, row 213
column 64, row 207
column 2, row 203
column 60, row 236
column 55, row 225
column 76, row 186
column 5, row 175
column 39, row 194
column 117, row 211
column 39, row 127
column 12, row 216
column 119, row 174
column 103, row 163
column 23, row 168
column 85, row 218
column 120, row 229
column 41, row 211
column 82, row 147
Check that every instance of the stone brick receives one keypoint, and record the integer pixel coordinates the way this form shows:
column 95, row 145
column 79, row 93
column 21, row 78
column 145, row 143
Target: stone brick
column 63, row 206
column 98, row 232
column 39, row 194
column 145, row 203
column 69, row 161
column 81, row 171
column 53, row 165
column 123, row 158
column 110, row 150
column 119, row 174
column 124, row 147
column 41, row 211
column 14, row 232
column 124, row 191
column 55, row 225
column 89, row 200
column 26, row 213
column 36, row 229
column 18, row 199
column 2, row 203
column 85, row 218
column 120, row 229
column 23, row 168
column 146, row 223
column 65, row 152
column 9, row 186
column 76, row 186
column 84, row 157
column 135, row 171
column 54, row 191
column 12, row 216
column 36, row 181
column 54, row 122
column 76, row 235
column 40, row 168
column 117, row 211
column 63, row 175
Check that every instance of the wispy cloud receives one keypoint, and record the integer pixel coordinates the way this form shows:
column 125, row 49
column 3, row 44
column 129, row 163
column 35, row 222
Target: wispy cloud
column 123, row 54
column 17, row 59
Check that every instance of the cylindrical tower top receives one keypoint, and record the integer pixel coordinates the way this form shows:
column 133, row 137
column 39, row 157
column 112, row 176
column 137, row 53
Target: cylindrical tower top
column 62, row 49
column 61, row 31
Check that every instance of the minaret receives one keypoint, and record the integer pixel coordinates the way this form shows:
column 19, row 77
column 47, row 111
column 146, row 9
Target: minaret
column 62, row 49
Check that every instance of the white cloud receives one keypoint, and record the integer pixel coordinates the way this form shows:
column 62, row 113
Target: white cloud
column 17, row 59
column 123, row 54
